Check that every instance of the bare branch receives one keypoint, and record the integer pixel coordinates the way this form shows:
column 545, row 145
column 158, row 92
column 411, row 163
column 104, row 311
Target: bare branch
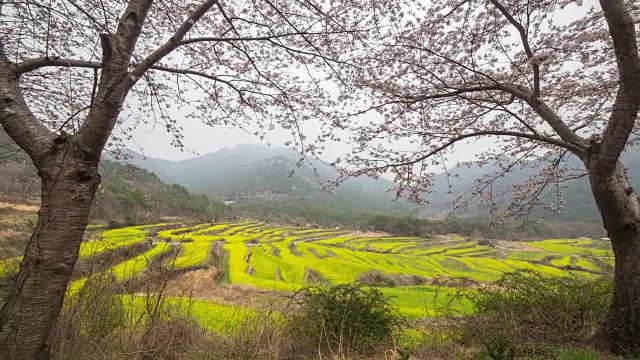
column 34, row 64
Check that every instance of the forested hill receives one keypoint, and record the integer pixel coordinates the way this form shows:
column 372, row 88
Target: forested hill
column 127, row 194
column 261, row 175
column 579, row 206
column 258, row 178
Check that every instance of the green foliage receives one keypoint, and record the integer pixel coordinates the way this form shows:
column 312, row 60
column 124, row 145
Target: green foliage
column 111, row 239
column 96, row 310
column 527, row 308
column 135, row 265
column 193, row 254
column 498, row 346
column 283, row 258
column 10, row 267
column 129, row 193
column 348, row 316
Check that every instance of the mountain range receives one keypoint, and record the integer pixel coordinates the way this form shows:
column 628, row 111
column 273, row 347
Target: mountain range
column 268, row 180
column 579, row 203
column 249, row 172
column 260, row 174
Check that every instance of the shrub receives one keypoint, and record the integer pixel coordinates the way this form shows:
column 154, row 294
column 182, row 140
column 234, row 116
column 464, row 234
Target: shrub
column 99, row 322
column 525, row 309
column 485, row 242
column 346, row 318
column 114, row 224
column 89, row 318
column 376, row 279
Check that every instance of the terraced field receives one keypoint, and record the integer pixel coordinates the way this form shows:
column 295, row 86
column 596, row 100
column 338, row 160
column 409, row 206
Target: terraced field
column 287, row 258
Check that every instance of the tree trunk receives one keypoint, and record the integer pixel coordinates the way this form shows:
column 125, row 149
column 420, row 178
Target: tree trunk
column 28, row 316
column 618, row 205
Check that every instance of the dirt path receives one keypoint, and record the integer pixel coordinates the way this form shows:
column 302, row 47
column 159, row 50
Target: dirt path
column 371, row 234
column 201, row 284
column 20, row 207
column 516, row 246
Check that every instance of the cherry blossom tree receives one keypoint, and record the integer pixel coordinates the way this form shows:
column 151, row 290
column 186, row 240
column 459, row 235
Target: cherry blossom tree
column 72, row 71
column 544, row 78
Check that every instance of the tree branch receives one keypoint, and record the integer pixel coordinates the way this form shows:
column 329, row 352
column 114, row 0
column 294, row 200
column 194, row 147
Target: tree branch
column 456, row 139
column 627, row 104
column 459, row 91
column 253, row 38
column 44, row 62
column 37, row 63
column 577, row 143
column 571, row 140
column 525, row 44
column 114, row 80
column 175, row 39
column 18, row 121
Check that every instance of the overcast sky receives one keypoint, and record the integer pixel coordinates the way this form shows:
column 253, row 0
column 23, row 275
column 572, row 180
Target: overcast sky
column 200, row 139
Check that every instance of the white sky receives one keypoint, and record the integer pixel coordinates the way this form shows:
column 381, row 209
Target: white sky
column 201, row 139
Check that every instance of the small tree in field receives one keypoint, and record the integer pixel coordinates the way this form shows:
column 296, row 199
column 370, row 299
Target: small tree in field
column 545, row 78
column 71, row 71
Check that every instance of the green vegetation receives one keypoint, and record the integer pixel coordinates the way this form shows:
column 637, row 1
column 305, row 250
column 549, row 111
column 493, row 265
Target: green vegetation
column 10, row 267
column 575, row 247
column 351, row 317
column 525, row 310
column 131, row 192
column 133, row 266
column 192, row 254
column 526, row 315
column 112, row 239
column 355, row 293
column 290, row 259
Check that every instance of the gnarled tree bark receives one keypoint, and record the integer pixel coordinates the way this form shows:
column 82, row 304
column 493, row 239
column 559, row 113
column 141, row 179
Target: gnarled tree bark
column 620, row 211
column 68, row 169
column 616, row 199
column 69, row 182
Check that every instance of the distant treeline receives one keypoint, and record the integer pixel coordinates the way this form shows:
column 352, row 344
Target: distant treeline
column 481, row 227
column 325, row 213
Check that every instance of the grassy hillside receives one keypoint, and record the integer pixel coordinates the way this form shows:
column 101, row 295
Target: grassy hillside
column 136, row 195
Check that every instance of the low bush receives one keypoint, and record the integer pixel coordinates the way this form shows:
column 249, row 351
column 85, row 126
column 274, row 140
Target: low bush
column 376, row 279
column 114, row 224
column 348, row 318
column 526, row 310
column 99, row 322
